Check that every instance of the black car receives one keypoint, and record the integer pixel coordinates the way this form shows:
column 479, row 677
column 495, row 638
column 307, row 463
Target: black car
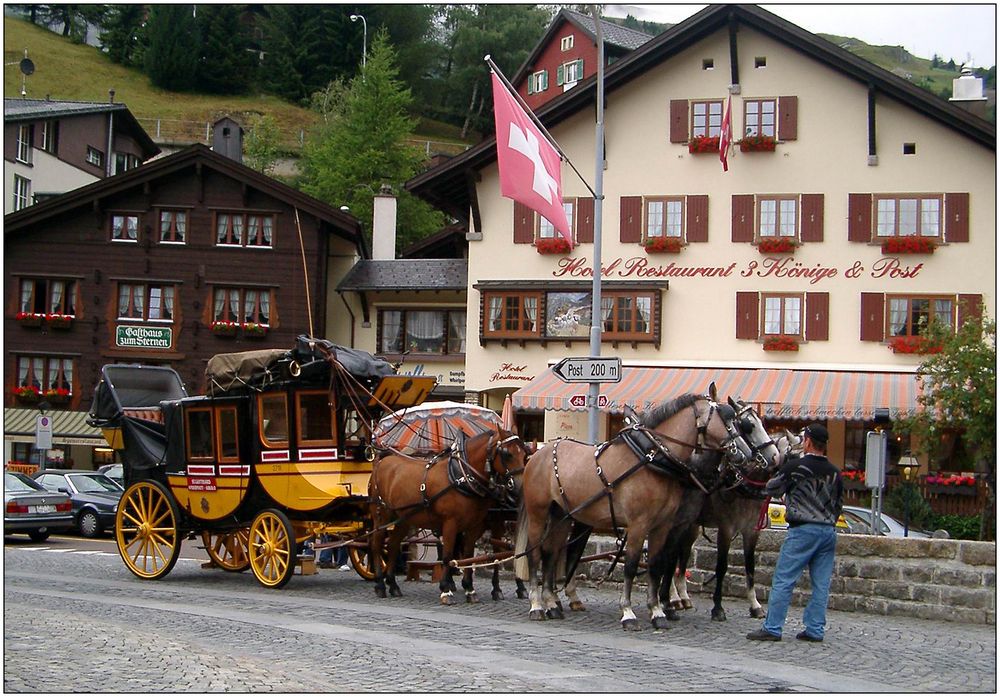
column 94, row 496
column 31, row 509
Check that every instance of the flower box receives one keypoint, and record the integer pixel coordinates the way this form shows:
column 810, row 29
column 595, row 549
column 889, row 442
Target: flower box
column 59, row 395
column 952, row 490
column 781, row 343
column 27, row 394
column 703, row 145
column 58, row 321
column 908, row 245
column 776, row 245
column 854, row 480
column 663, row 245
column 223, row 328
column 913, row 344
column 757, row 144
column 253, row 330
column 29, row 319
column 552, row 245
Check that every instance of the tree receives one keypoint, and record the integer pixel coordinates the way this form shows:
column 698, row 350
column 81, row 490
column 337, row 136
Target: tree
column 171, row 58
column 361, row 146
column 122, row 35
column 960, row 394
column 226, row 64
column 260, row 145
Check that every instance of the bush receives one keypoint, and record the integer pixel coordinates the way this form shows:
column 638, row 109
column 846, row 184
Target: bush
column 960, row 527
column 920, row 511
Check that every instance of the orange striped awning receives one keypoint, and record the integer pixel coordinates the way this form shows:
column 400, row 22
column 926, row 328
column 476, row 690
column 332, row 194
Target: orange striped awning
column 776, row 393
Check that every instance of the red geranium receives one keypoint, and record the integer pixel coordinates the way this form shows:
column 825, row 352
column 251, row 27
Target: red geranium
column 913, row 344
column 775, row 245
column 663, row 244
column 552, row 245
column 703, row 144
column 781, row 343
column 908, row 245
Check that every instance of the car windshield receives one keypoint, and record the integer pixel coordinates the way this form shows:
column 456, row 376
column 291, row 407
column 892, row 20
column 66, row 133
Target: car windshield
column 94, row 483
column 12, row 481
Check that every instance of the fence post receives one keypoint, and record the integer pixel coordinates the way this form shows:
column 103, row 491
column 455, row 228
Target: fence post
column 157, row 129
column 208, row 132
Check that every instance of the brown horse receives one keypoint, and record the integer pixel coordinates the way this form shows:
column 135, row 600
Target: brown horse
column 450, row 493
column 632, row 484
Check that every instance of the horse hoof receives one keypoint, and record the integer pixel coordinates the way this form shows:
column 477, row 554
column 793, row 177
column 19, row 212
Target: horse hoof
column 471, row 598
column 718, row 615
column 577, row 606
column 497, row 595
column 631, row 625
column 671, row 615
column 379, row 592
column 661, row 622
column 536, row 615
column 522, row 595
column 395, row 592
column 446, row 599
column 554, row 613
column 559, row 605
column 676, row 605
column 686, row 604
column 757, row 612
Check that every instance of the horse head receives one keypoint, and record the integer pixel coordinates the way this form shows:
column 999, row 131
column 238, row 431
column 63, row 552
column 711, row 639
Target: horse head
column 766, row 456
column 709, row 431
column 505, row 459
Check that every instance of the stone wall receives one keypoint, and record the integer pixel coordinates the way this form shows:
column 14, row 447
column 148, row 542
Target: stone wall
column 953, row 580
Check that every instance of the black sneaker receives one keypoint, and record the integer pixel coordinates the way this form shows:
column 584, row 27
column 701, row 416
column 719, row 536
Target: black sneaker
column 802, row 636
column 763, row 635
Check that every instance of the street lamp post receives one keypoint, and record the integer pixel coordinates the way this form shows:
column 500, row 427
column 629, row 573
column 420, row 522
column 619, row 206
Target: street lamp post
column 908, row 471
column 364, row 39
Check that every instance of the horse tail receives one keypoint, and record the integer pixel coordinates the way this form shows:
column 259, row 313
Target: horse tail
column 521, row 569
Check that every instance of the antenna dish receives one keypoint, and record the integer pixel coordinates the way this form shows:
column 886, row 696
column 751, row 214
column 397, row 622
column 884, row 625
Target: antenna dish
column 26, row 66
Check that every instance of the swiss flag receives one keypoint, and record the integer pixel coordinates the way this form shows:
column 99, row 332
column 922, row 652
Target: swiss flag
column 530, row 168
column 726, row 136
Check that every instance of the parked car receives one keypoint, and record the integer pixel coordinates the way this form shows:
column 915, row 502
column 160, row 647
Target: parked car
column 116, row 471
column 94, row 496
column 32, row 509
column 860, row 521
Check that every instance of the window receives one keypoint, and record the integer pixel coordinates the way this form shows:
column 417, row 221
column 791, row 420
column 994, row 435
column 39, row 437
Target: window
column 759, row 117
column 199, row 434
column 777, row 217
column 95, row 157
column 228, row 434
column 22, row 192
column 242, row 229
column 572, row 71
column 125, row 161
column 566, row 43
column 47, row 296
column 45, row 373
column 315, row 418
column 706, row 119
column 782, row 315
column 664, row 217
column 431, row 332
column 909, row 315
column 538, row 82
column 125, row 228
column 708, row 64
column 242, row 305
column 24, row 144
column 138, row 301
column 173, row 225
column 50, row 131
column 908, row 216
column 547, row 231
column 273, row 410
column 626, row 315
column 760, row 61
column 512, row 314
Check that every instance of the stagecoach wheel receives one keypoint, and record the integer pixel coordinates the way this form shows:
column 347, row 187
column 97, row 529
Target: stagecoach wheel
column 146, row 530
column 228, row 550
column 361, row 560
column 271, row 547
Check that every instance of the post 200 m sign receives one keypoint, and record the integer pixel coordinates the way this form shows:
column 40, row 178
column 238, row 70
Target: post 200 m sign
column 143, row 337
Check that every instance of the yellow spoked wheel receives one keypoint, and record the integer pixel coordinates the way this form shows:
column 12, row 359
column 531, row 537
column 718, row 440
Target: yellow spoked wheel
column 271, row 547
column 228, row 550
column 361, row 560
column 146, row 529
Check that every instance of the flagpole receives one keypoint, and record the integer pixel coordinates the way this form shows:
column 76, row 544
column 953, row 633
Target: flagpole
column 594, row 391
column 531, row 115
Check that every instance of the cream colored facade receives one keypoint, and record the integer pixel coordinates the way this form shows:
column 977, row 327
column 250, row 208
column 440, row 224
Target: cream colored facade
column 829, row 157
column 47, row 174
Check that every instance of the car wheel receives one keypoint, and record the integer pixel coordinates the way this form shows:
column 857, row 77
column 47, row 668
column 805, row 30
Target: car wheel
column 89, row 525
column 38, row 536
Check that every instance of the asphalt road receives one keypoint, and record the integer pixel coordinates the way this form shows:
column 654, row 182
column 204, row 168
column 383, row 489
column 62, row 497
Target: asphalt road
column 76, row 620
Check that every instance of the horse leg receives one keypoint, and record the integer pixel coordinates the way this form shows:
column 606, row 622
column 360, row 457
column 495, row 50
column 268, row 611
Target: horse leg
column 377, row 552
column 579, row 535
column 395, row 542
column 449, row 535
column 496, row 530
column 749, row 561
column 633, row 550
column 722, row 542
column 661, row 570
column 469, row 550
column 680, row 600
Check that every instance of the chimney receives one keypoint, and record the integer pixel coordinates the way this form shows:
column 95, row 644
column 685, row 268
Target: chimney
column 384, row 225
column 967, row 93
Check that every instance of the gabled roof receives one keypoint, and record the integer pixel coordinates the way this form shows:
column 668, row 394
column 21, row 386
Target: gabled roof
column 447, row 243
column 198, row 155
column 447, row 185
column 614, row 35
column 17, row 110
column 407, row 274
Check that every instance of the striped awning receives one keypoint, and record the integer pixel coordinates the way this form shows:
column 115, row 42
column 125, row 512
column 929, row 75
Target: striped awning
column 776, row 393
column 68, row 427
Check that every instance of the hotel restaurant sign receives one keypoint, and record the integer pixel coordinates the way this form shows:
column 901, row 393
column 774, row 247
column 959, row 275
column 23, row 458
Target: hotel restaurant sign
column 143, row 337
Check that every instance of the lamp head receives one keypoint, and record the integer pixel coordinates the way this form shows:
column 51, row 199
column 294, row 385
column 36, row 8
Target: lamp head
column 354, row 18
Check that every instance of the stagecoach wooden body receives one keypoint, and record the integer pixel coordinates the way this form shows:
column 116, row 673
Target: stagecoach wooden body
column 277, row 451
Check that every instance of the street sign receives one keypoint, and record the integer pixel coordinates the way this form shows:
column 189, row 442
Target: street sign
column 580, row 400
column 589, row 369
column 43, row 432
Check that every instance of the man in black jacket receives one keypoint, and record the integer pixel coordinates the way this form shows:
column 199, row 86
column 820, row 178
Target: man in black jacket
column 814, row 495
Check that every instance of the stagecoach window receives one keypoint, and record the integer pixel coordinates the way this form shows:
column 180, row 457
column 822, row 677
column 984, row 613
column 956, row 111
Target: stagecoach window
column 315, row 418
column 228, row 440
column 274, row 419
column 199, row 434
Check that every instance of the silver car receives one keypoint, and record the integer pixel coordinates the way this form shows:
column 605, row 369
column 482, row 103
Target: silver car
column 30, row 508
column 860, row 521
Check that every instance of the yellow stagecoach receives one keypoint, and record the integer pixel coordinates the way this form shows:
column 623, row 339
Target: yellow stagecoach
column 276, row 452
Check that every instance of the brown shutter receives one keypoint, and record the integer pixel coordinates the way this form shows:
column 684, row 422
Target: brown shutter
column 970, row 306
column 812, row 218
column 585, row 219
column 788, row 118
column 524, row 224
column 859, row 217
column 956, row 221
column 747, row 315
column 697, row 218
column 872, row 317
column 631, row 219
column 743, row 218
column 817, row 316
column 678, row 121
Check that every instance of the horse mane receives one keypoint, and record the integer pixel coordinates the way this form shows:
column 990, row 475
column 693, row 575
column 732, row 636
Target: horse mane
column 659, row 414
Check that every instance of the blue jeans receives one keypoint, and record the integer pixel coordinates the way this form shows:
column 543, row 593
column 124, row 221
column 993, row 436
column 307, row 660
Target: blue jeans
column 327, row 555
column 811, row 545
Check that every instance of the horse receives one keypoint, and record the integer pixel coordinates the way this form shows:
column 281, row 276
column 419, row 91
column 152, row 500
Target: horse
column 631, row 484
column 740, row 510
column 450, row 493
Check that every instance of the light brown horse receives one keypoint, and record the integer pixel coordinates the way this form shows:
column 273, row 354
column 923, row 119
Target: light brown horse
column 633, row 489
column 450, row 493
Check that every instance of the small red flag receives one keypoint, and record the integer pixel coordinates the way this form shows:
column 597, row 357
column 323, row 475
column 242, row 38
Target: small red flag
column 726, row 136
column 530, row 168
